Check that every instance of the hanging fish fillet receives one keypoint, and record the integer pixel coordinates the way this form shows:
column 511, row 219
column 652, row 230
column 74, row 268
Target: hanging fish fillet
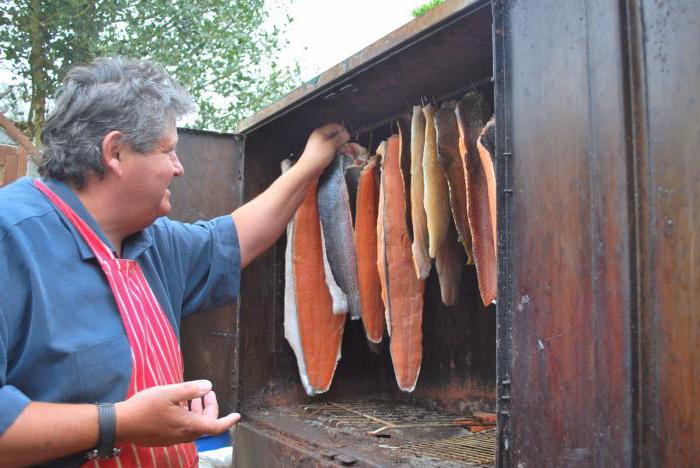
column 405, row 165
column 449, row 265
column 436, row 197
column 404, row 290
column 452, row 165
column 421, row 257
column 320, row 331
column 367, row 243
column 470, row 117
column 291, row 319
column 336, row 221
column 291, row 322
column 352, row 173
column 487, row 148
column 382, row 267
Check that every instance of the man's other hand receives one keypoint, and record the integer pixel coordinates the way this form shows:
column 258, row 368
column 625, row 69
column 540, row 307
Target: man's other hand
column 160, row 416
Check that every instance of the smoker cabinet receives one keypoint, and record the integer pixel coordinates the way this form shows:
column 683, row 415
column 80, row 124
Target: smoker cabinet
column 589, row 355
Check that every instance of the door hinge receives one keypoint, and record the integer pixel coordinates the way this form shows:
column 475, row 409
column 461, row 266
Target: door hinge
column 507, row 158
column 504, row 399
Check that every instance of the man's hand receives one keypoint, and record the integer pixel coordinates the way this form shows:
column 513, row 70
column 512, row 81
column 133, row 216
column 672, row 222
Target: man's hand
column 261, row 221
column 159, row 416
column 322, row 145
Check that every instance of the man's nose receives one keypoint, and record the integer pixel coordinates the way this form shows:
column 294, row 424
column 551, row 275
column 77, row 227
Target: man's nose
column 178, row 169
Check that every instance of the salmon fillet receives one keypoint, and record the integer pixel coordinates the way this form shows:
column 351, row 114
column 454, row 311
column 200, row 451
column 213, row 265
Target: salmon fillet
column 404, row 290
column 452, row 165
column 449, row 265
column 367, row 212
column 320, row 331
column 485, row 146
column 421, row 257
column 405, row 164
column 470, row 118
column 436, row 197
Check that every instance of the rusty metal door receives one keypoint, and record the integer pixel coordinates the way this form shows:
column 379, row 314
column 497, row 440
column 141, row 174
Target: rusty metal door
column 598, row 284
column 211, row 186
column 665, row 48
column 566, row 297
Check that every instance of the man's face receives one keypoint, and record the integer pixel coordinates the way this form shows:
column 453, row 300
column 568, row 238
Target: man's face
column 148, row 175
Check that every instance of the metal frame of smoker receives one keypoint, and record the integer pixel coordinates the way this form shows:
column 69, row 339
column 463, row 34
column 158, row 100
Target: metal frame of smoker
column 590, row 356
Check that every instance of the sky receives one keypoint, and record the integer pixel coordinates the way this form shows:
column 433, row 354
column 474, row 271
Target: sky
column 323, row 33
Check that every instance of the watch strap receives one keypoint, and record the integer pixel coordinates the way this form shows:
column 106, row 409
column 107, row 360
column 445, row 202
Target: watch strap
column 107, row 417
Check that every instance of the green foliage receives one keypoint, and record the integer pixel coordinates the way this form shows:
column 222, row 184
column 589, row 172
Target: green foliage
column 223, row 52
column 423, row 9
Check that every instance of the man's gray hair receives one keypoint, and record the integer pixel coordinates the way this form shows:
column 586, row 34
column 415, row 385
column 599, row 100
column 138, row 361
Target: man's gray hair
column 135, row 97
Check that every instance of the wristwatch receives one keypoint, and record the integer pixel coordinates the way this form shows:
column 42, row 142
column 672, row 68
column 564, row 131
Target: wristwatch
column 105, row 449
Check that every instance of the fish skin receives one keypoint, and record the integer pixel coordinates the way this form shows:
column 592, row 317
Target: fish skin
column 421, row 257
column 320, row 331
column 470, row 117
column 366, row 241
column 382, row 267
column 340, row 299
column 450, row 159
column 405, row 291
column 449, row 264
column 436, row 195
column 336, row 221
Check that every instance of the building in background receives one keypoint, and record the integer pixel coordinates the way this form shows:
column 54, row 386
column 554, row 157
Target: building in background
column 15, row 151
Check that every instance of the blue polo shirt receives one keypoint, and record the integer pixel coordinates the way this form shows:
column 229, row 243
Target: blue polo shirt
column 61, row 335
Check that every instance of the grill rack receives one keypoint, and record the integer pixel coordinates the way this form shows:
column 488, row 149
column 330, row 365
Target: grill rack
column 377, row 419
column 478, row 448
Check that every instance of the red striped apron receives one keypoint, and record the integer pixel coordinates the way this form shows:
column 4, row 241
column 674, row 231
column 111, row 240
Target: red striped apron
column 155, row 351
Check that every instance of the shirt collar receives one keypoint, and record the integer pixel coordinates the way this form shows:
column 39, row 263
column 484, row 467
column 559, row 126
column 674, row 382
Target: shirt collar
column 136, row 244
column 132, row 247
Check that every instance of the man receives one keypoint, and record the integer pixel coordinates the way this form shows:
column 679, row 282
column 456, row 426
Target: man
column 95, row 279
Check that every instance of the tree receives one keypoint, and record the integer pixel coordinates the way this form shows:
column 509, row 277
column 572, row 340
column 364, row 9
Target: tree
column 224, row 52
column 426, row 7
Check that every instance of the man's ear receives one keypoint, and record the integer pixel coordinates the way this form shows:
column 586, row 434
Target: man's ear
column 112, row 146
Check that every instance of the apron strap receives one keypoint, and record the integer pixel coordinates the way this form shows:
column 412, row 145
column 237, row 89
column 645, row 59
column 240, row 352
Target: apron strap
column 102, row 252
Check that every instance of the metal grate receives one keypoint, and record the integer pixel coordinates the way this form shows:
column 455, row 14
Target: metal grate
column 478, row 448
column 398, row 420
column 376, row 418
